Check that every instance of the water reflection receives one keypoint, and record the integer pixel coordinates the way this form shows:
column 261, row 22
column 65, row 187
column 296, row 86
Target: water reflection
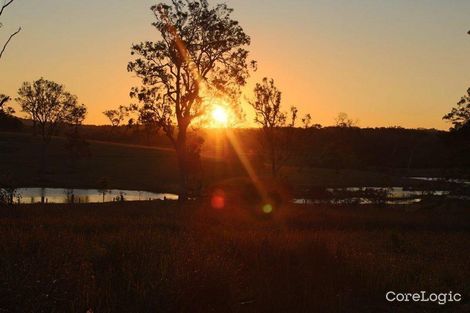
column 443, row 180
column 360, row 201
column 60, row 195
column 371, row 195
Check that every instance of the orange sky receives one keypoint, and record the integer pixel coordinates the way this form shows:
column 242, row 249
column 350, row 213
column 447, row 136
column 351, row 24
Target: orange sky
column 385, row 63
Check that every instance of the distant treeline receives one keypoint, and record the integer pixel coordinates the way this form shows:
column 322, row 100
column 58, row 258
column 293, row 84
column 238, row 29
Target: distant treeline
column 337, row 147
column 372, row 148
column 328, row 147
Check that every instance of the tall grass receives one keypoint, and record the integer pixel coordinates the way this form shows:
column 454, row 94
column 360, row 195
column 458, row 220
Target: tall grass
column 162, row 257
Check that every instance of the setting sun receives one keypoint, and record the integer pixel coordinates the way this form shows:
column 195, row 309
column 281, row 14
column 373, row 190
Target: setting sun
column 220, row 116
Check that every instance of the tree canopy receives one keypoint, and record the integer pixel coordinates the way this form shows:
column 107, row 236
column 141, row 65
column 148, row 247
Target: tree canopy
column 48, row 104
column 3, row 108
column 270, row 116
column 459, row 116
column 200, row 56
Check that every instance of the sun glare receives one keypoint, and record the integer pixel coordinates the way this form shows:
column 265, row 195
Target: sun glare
column 220, row 116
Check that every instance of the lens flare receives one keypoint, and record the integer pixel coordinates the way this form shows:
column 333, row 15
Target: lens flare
column 218, row 200
column 267, row 208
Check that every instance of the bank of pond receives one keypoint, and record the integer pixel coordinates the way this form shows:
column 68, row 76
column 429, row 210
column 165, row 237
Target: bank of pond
column 449, row 189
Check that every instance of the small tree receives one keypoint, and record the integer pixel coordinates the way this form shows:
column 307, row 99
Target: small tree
column 459, row 116
column 103, row 186
column 4, row 110
column 2, row 9
column 276, row 124
column 200, row 55
column 8, row 190
column 77, row 146
column 7, row 120
column 307, row 121
column 49, row 106
column 343, row 120
column 117, row 116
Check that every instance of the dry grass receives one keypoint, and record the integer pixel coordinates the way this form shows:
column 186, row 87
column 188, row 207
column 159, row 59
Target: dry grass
column 162, row 257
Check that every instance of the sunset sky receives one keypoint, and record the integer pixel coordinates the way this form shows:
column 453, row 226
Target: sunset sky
column 384, row 62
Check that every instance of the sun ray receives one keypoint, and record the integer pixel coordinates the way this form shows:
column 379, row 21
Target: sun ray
column 247, row 165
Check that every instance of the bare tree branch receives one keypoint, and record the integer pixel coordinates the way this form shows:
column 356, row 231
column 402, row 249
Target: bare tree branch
column 4, row 6
column 9, row 39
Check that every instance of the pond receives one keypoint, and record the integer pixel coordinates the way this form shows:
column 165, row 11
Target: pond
column 460, row 181
column 60, row 195
column 347, row 195
column 370, row 195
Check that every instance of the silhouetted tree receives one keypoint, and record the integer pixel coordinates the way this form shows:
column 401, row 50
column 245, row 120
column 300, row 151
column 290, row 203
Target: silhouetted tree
column 459, row 116
column 49, row 106
column 200, row 55
column 8, row 190
column 103, row 186
column 117, row 116
column 7, row 120
column 317, row 126
column 194, row 184
column 148, row 120
column 2, row 9
column 343, row 120
column 77, row 146
column 307, row 121
column 276, row 124
column 3, row 108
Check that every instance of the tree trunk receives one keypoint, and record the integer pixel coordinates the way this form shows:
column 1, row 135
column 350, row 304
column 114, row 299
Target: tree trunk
column 183, row 172
column 43, row 165
column 182, row 155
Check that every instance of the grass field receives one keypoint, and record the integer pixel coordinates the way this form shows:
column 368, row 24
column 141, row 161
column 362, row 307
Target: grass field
column 154, row 169
column 162, row 257
column 123, row 166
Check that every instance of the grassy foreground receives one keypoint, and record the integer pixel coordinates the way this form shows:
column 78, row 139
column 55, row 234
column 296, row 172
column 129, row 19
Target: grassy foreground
column 163, row 257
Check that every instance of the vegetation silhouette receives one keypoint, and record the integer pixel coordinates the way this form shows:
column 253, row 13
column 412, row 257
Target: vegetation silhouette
column 102, row 185
column 276, row 125
column 201, row 55
column 117, row 116
column 2, row 9
column 8, row 122
column 459, row 116
column 343, row 120
column 49, row 105
column 8, row 190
